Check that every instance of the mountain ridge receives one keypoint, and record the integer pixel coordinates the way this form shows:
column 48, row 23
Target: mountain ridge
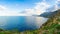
column 49, row 14
column 52, row 26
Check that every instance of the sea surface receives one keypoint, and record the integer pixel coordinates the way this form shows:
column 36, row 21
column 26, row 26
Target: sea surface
column 21, row 22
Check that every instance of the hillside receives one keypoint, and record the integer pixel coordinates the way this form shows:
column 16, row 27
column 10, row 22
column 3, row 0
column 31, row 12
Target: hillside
column 52, row 26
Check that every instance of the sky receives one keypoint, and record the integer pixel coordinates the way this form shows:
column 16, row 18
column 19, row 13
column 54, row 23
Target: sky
column 27, row 7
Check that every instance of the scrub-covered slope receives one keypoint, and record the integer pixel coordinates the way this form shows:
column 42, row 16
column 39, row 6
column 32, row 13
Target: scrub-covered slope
column 52, row 26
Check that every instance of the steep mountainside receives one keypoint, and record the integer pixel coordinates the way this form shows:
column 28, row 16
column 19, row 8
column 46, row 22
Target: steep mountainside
column 49, row 14
column 52, row 26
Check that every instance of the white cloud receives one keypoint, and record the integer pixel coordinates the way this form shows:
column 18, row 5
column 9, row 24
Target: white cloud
column 29, row 11
column 2, row 8
column 56, row 6
column 4, row 11
column 38, row 9
column 41, row 7
column 58, row 0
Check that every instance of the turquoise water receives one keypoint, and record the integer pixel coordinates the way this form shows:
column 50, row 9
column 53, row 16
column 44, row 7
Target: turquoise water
column 21, row 22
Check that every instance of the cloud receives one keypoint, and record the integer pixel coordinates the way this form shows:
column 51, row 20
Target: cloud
column 58, row 0
column 42, row 7
column 55, row 7
column 4, row 11
column 38, row 9
column 2, row 8
column 29, row 11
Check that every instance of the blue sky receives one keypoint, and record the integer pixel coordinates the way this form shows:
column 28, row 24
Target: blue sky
column 24, row 7
column 22, row 4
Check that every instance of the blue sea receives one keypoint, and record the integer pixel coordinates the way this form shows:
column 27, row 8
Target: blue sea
column 21, row 23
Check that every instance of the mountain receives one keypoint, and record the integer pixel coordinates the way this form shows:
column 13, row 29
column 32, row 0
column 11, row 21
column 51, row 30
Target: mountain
column 49, row 14
column 52, row 26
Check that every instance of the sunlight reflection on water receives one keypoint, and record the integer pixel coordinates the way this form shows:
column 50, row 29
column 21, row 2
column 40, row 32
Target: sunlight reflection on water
column 21, row 22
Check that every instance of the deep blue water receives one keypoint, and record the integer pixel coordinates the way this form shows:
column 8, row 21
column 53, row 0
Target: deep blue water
column 21, row 22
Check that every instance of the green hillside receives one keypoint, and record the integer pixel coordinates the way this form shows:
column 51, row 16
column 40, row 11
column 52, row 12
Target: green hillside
column 52, row 26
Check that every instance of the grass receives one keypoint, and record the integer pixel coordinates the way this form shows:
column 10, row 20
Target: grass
column 52, row 26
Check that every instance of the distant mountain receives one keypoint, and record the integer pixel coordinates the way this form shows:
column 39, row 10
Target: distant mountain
column 52, row 26
column 49, row 14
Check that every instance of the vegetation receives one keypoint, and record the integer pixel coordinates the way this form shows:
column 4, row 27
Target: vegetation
column 52, row 26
